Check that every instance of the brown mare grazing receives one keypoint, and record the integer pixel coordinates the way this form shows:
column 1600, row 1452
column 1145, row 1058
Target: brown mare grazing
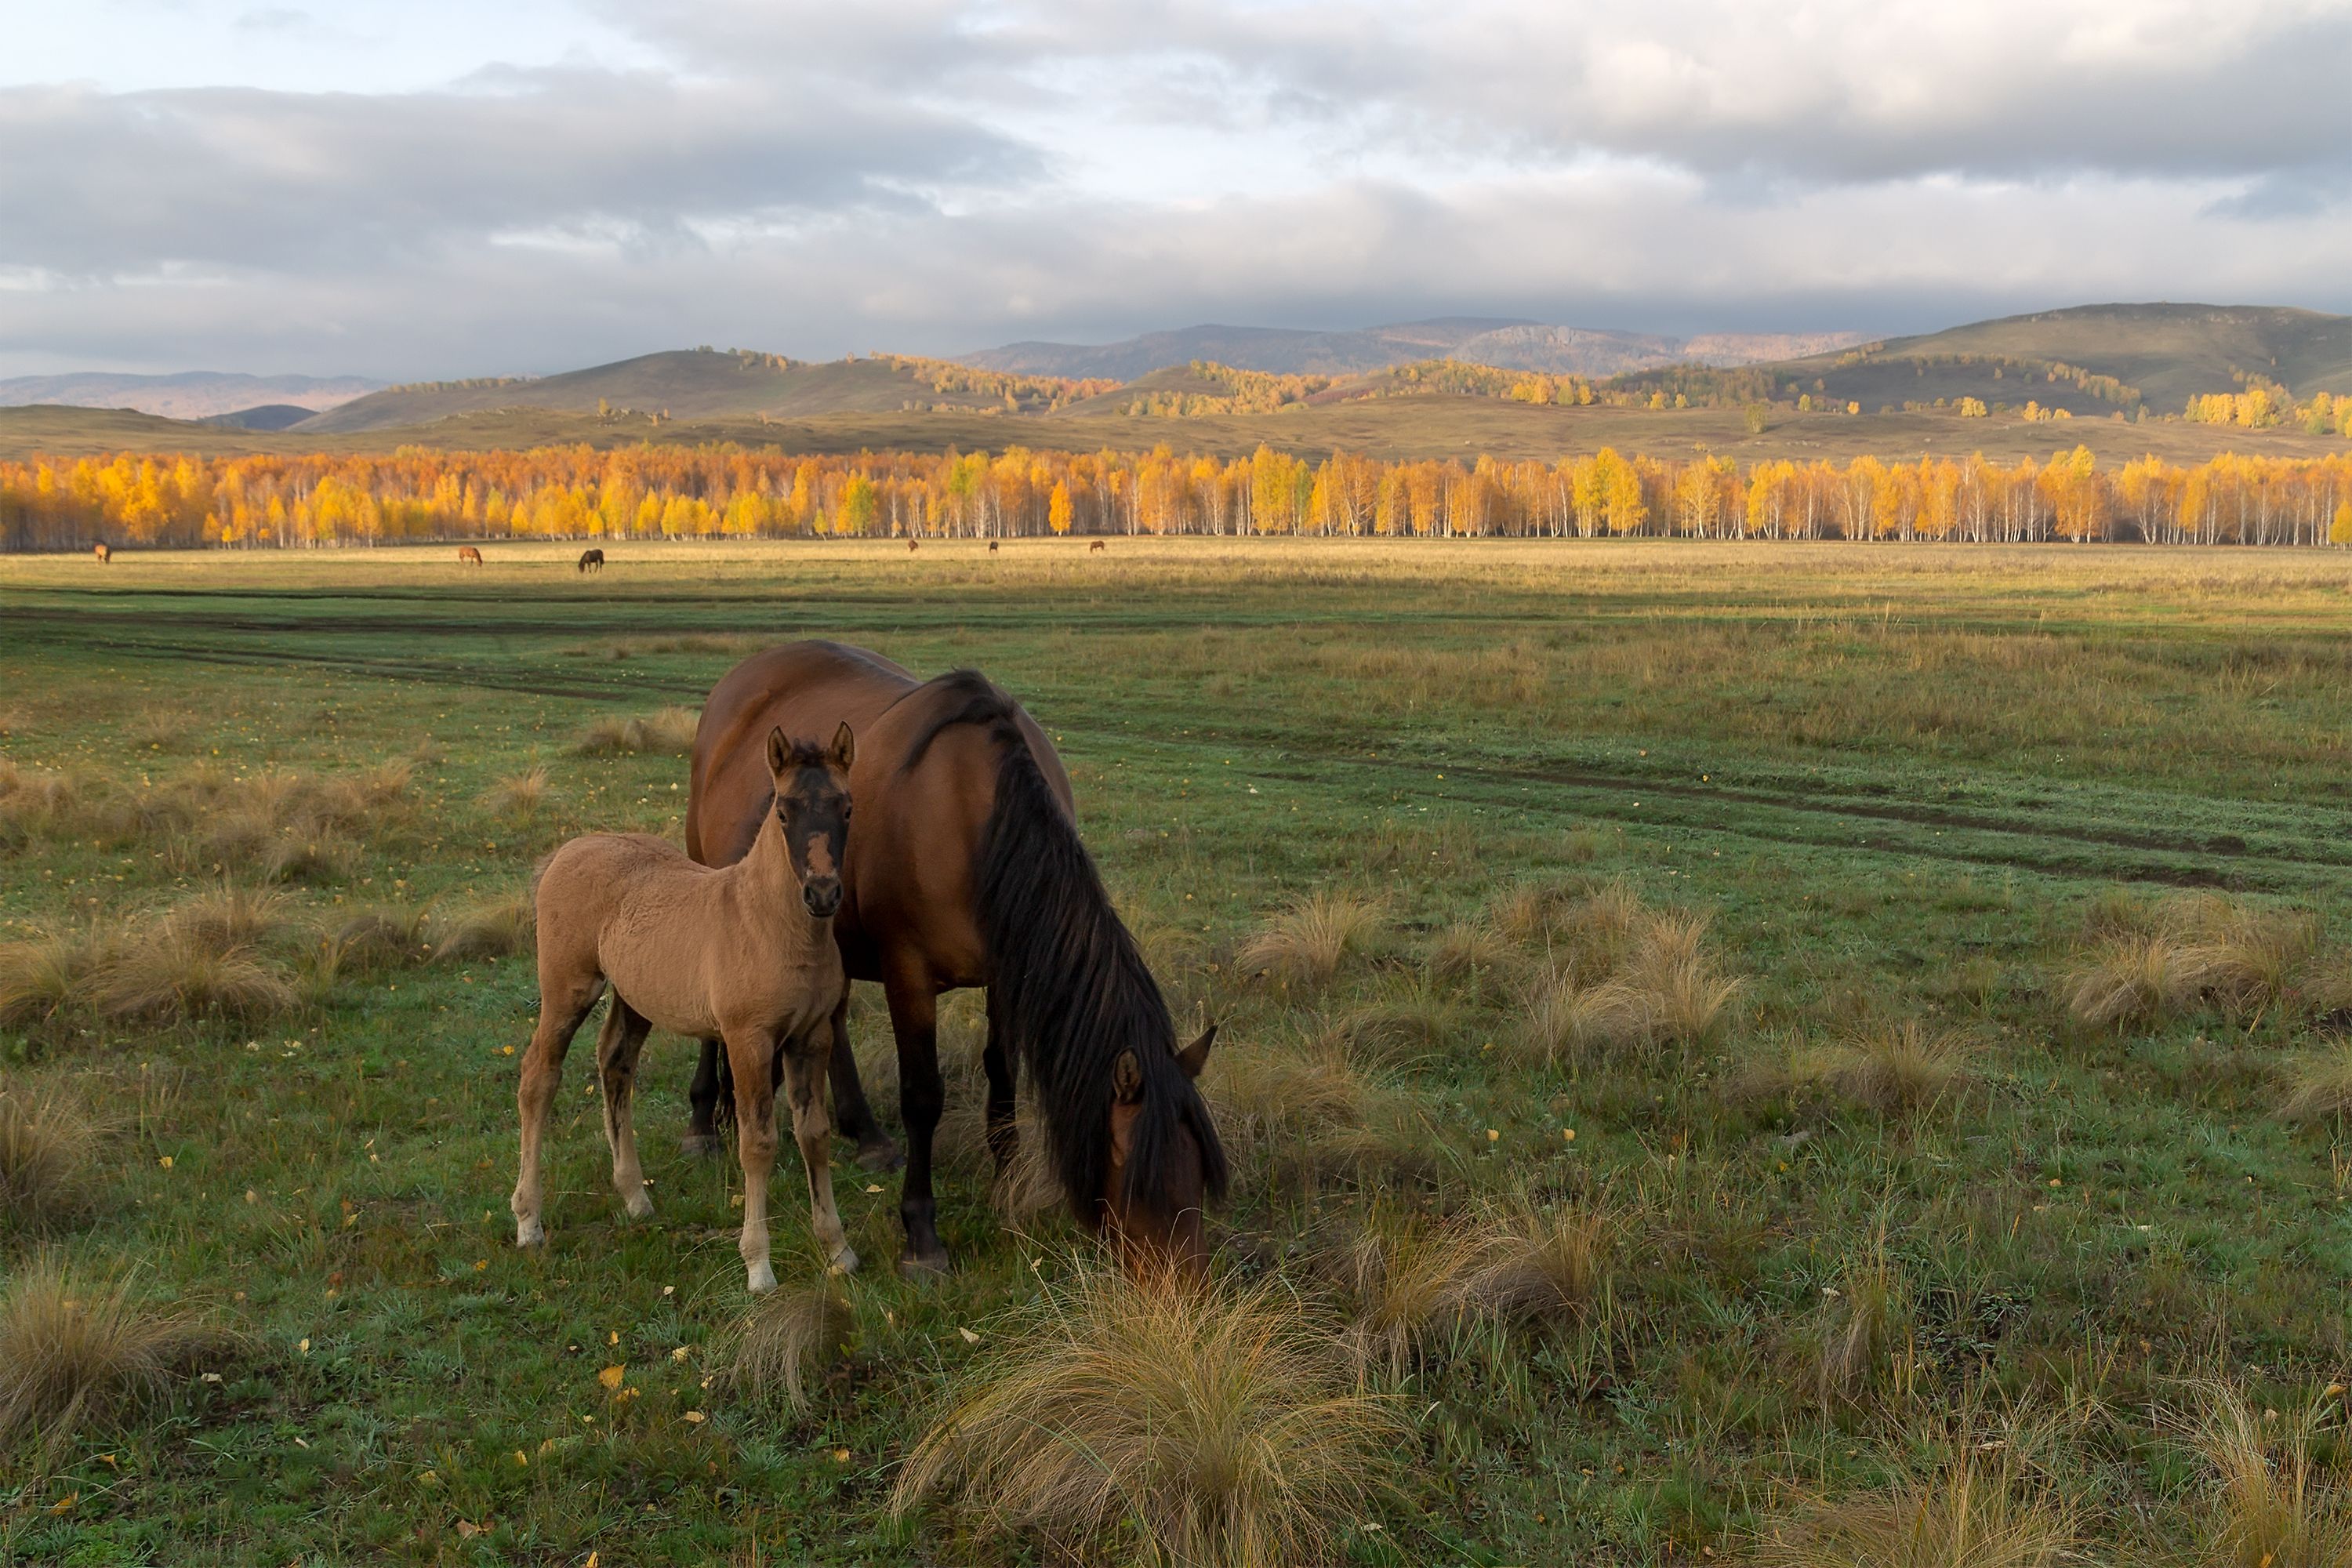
column 1092, row 548
column 991, row 547
column 468, row 555
column 105, row 553
column 746, row 953
column 591, row 559
column 912, row 545
column 967, row 870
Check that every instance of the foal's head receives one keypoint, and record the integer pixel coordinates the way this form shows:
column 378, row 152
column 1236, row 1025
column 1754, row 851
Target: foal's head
column 1153, row 1198
column 812, row 788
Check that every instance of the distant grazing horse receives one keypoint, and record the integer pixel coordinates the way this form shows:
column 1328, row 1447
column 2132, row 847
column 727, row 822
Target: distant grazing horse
column 468, row 555
column 105, row 553
column 746, row 953
column 991, row 547
column 966, row 870
column 1095, row 548
column 592, row 561
column 913, row 545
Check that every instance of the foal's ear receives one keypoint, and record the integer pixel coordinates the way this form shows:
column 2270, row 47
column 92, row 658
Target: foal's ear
column 778, row 751
column 1195, row 1056
column 1127, row 1078
column 845, row 746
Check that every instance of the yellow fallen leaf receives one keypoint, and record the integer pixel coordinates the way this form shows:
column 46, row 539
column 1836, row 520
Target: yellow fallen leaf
column 65, row 1504
column 873, row 1186
column 467, row 1528
column 611, row 1376
column 305, row 1346
column 429, row 1478
column 1568, row 1134
column 679, row 1354
column 841, row 1455
column 165, row 1162
column 522, row 1460
column 970, row 1338
column 1494, row 1135
column 695, row 1417
column 613, row 1338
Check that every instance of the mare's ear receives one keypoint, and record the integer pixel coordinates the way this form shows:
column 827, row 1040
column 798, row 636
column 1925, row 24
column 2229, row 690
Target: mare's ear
column 1195, row 1056
column 845, row 746
column 1127, row 1078
column 778, row 752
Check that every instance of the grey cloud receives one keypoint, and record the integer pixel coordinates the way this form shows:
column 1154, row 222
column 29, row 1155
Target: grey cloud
column 126, row 183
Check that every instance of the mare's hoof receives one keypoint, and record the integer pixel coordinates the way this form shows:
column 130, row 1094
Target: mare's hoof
column 638, row 1206
column 707, row 1145
column 762, row 1279
column 881, row 1154
column 922, row 1267
column 844, row 1262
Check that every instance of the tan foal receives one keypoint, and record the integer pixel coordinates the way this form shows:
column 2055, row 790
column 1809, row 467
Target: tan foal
column 743, row 954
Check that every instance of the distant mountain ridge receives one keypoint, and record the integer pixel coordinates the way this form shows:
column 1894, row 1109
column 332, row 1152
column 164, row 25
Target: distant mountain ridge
column 186, row 395
column 1505, row 343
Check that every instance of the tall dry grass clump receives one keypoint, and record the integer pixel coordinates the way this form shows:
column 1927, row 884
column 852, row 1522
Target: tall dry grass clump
column 201, row 960
column 49, row 1153
column 1153, row 1424
column 76, row 1350
column 1979, row 1510
column 2318, row 1084
column 1867, row 1340
column 517, row 794
column 44, row 977
column 1515, row 1262
column 1898, row 1069
column 501, row 928
column 1300, row 1114
column 786, row 1336
column 1308, row 943
column 668, row 731
column 1628, row 979
column 2269, row 1502
column 2143, row 963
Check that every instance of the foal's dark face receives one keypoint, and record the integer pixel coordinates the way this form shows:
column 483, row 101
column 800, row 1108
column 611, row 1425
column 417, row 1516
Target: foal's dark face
column 812, row 788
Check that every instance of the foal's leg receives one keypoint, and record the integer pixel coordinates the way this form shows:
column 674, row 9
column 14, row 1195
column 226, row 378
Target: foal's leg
column 914, row 1018
column 563, row 1003
column 617, row 1044
column 748, row 1053
column 812, row 1129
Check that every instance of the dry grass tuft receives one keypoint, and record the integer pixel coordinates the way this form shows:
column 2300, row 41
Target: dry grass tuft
column 41, row 977
column 376, row 940
column 1896, row 1071
column 2317, row 1086
column 1470, row 949
column 231, row 918
column 178, row 969
column 668, row 732
column 1168, row 1426
column 2144, row 962
column 519, row 795
column 1300, row 1114
column 1512, row 1262
column 1977, row 1512
column 497, row 930
column 1308, row 943
column 1866, row 1339
column 49, row 1153
column 75, row 1351
column 2271, row 1499
column 1655, row 987
column 786, row 1335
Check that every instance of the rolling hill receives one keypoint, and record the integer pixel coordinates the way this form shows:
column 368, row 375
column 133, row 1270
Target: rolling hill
column 1509, row 344
column 2159, row 354
column 189, row 395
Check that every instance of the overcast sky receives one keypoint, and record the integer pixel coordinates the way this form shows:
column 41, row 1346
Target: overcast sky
column 449, row 187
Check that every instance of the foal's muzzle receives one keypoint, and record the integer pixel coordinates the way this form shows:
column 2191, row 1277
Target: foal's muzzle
column 822, row 898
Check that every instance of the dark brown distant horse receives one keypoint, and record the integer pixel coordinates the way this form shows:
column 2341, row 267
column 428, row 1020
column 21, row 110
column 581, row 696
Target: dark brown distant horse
column 964, row 868
column 592, row 561
column 468, row 555
column 912, row 545
column 105, row 553
column 991, row 547
column 1095, row 547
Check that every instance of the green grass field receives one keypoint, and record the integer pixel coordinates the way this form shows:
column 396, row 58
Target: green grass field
column 1978, row 1201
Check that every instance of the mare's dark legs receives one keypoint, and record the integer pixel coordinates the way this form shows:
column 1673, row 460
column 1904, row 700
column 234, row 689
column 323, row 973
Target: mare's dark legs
column 853, row 1114
column 1003, row 1136
column 853, row 1118
column 914, row 1019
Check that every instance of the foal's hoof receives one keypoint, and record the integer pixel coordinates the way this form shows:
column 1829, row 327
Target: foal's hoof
column 881, row 1154
column 762, row 1279
column 707, row 1145
column 638, row 1206
column 530, row 1233
column 924, row 1267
